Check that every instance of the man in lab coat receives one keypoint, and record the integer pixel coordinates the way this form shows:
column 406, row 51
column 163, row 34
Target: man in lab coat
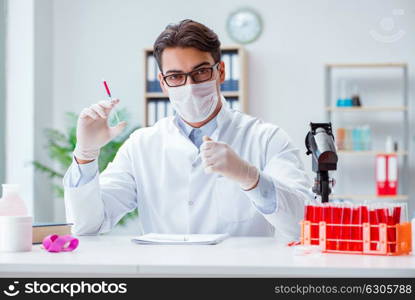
column 208, row 169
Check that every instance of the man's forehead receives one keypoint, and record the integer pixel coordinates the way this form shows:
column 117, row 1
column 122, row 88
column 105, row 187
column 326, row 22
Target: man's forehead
column 184, row 59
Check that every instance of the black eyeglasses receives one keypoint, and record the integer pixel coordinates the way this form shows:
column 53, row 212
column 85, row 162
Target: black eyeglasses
column 198, row 76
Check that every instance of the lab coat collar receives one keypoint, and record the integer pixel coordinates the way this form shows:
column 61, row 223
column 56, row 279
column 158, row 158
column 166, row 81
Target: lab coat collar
column 224, row 114
column 206, row 129
column 222, row 118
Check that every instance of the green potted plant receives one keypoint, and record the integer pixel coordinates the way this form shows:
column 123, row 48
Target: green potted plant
column 60, row 146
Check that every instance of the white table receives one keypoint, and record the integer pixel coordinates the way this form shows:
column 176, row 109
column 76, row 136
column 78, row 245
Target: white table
column 117, row 256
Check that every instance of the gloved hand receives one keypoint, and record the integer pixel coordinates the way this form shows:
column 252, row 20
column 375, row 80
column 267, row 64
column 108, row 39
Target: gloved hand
column 93, row 131
column 218, row 157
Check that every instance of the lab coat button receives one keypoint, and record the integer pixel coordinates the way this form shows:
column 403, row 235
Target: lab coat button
column 190, row 203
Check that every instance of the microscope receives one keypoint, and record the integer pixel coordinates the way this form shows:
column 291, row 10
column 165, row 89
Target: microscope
column 320, row 143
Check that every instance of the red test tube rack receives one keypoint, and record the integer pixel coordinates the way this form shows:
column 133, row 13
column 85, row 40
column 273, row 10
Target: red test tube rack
column 378, row 229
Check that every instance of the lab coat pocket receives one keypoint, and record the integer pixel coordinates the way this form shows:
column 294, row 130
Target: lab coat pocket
column 232, row 204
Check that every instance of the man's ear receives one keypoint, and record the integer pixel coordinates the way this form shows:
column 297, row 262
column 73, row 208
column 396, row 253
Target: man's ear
column 162, row 83
column 221, row 71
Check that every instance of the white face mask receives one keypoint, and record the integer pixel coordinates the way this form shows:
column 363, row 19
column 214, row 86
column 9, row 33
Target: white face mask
column 194, row 102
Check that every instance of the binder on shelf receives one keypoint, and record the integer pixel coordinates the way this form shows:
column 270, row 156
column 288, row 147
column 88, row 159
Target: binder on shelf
column 165, row 109
column 152, row 81
column 151, row 113
column 229, row 101
column 233, row 102
column 226, row 85
column 386, row 174
column 158, row 108
column 150, row 73
column 235, row 105
column 392, row 174
column 235, row 64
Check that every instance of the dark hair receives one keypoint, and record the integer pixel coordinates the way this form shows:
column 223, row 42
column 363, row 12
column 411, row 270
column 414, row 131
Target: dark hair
column 187, row 33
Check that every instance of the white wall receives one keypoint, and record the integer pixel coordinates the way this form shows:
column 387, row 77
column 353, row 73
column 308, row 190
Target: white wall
column 104, row 38
column 43, row 65
column 29, row 104
column 2, row 89
column 20, row 97
column 95, row 39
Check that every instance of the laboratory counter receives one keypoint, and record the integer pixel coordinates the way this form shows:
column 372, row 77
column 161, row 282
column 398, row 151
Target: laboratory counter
column 117, row 256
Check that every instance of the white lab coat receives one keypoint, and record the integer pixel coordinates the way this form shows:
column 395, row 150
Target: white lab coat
column 158, row 170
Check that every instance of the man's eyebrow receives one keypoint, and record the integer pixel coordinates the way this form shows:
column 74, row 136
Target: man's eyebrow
column 194, row 68
column 174, row 71
column 201, row 64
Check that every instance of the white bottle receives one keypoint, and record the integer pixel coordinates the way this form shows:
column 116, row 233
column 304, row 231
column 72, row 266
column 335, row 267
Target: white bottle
column 15, row 224
column 16, row 233
column 389, row 144
column 11, row 204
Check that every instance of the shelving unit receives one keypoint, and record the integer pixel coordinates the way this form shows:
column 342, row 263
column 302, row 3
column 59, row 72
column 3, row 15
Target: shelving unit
column 368, row 197
column 368, row 65
column 402, row 108
column 369, row 152
column 238, row 95
column 367, row 109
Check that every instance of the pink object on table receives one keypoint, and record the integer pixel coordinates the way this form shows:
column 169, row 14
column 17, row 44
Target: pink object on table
column 60, row 243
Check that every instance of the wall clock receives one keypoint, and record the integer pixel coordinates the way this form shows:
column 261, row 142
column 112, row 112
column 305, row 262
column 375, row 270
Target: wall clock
column 244, row 25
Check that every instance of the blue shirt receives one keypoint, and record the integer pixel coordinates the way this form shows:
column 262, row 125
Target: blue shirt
column 263, row 195
column 189, row 131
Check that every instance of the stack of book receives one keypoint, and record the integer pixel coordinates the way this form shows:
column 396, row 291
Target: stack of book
column 41, row 230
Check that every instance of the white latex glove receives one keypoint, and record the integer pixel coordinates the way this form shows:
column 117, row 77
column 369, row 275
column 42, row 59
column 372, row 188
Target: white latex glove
column 93, row 131
column 219, row 157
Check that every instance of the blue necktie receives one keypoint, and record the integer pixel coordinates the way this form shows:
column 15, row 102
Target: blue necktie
column 196, row 136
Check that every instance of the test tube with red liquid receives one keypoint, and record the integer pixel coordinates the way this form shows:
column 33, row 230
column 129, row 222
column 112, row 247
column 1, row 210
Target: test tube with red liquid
column 107, row 89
